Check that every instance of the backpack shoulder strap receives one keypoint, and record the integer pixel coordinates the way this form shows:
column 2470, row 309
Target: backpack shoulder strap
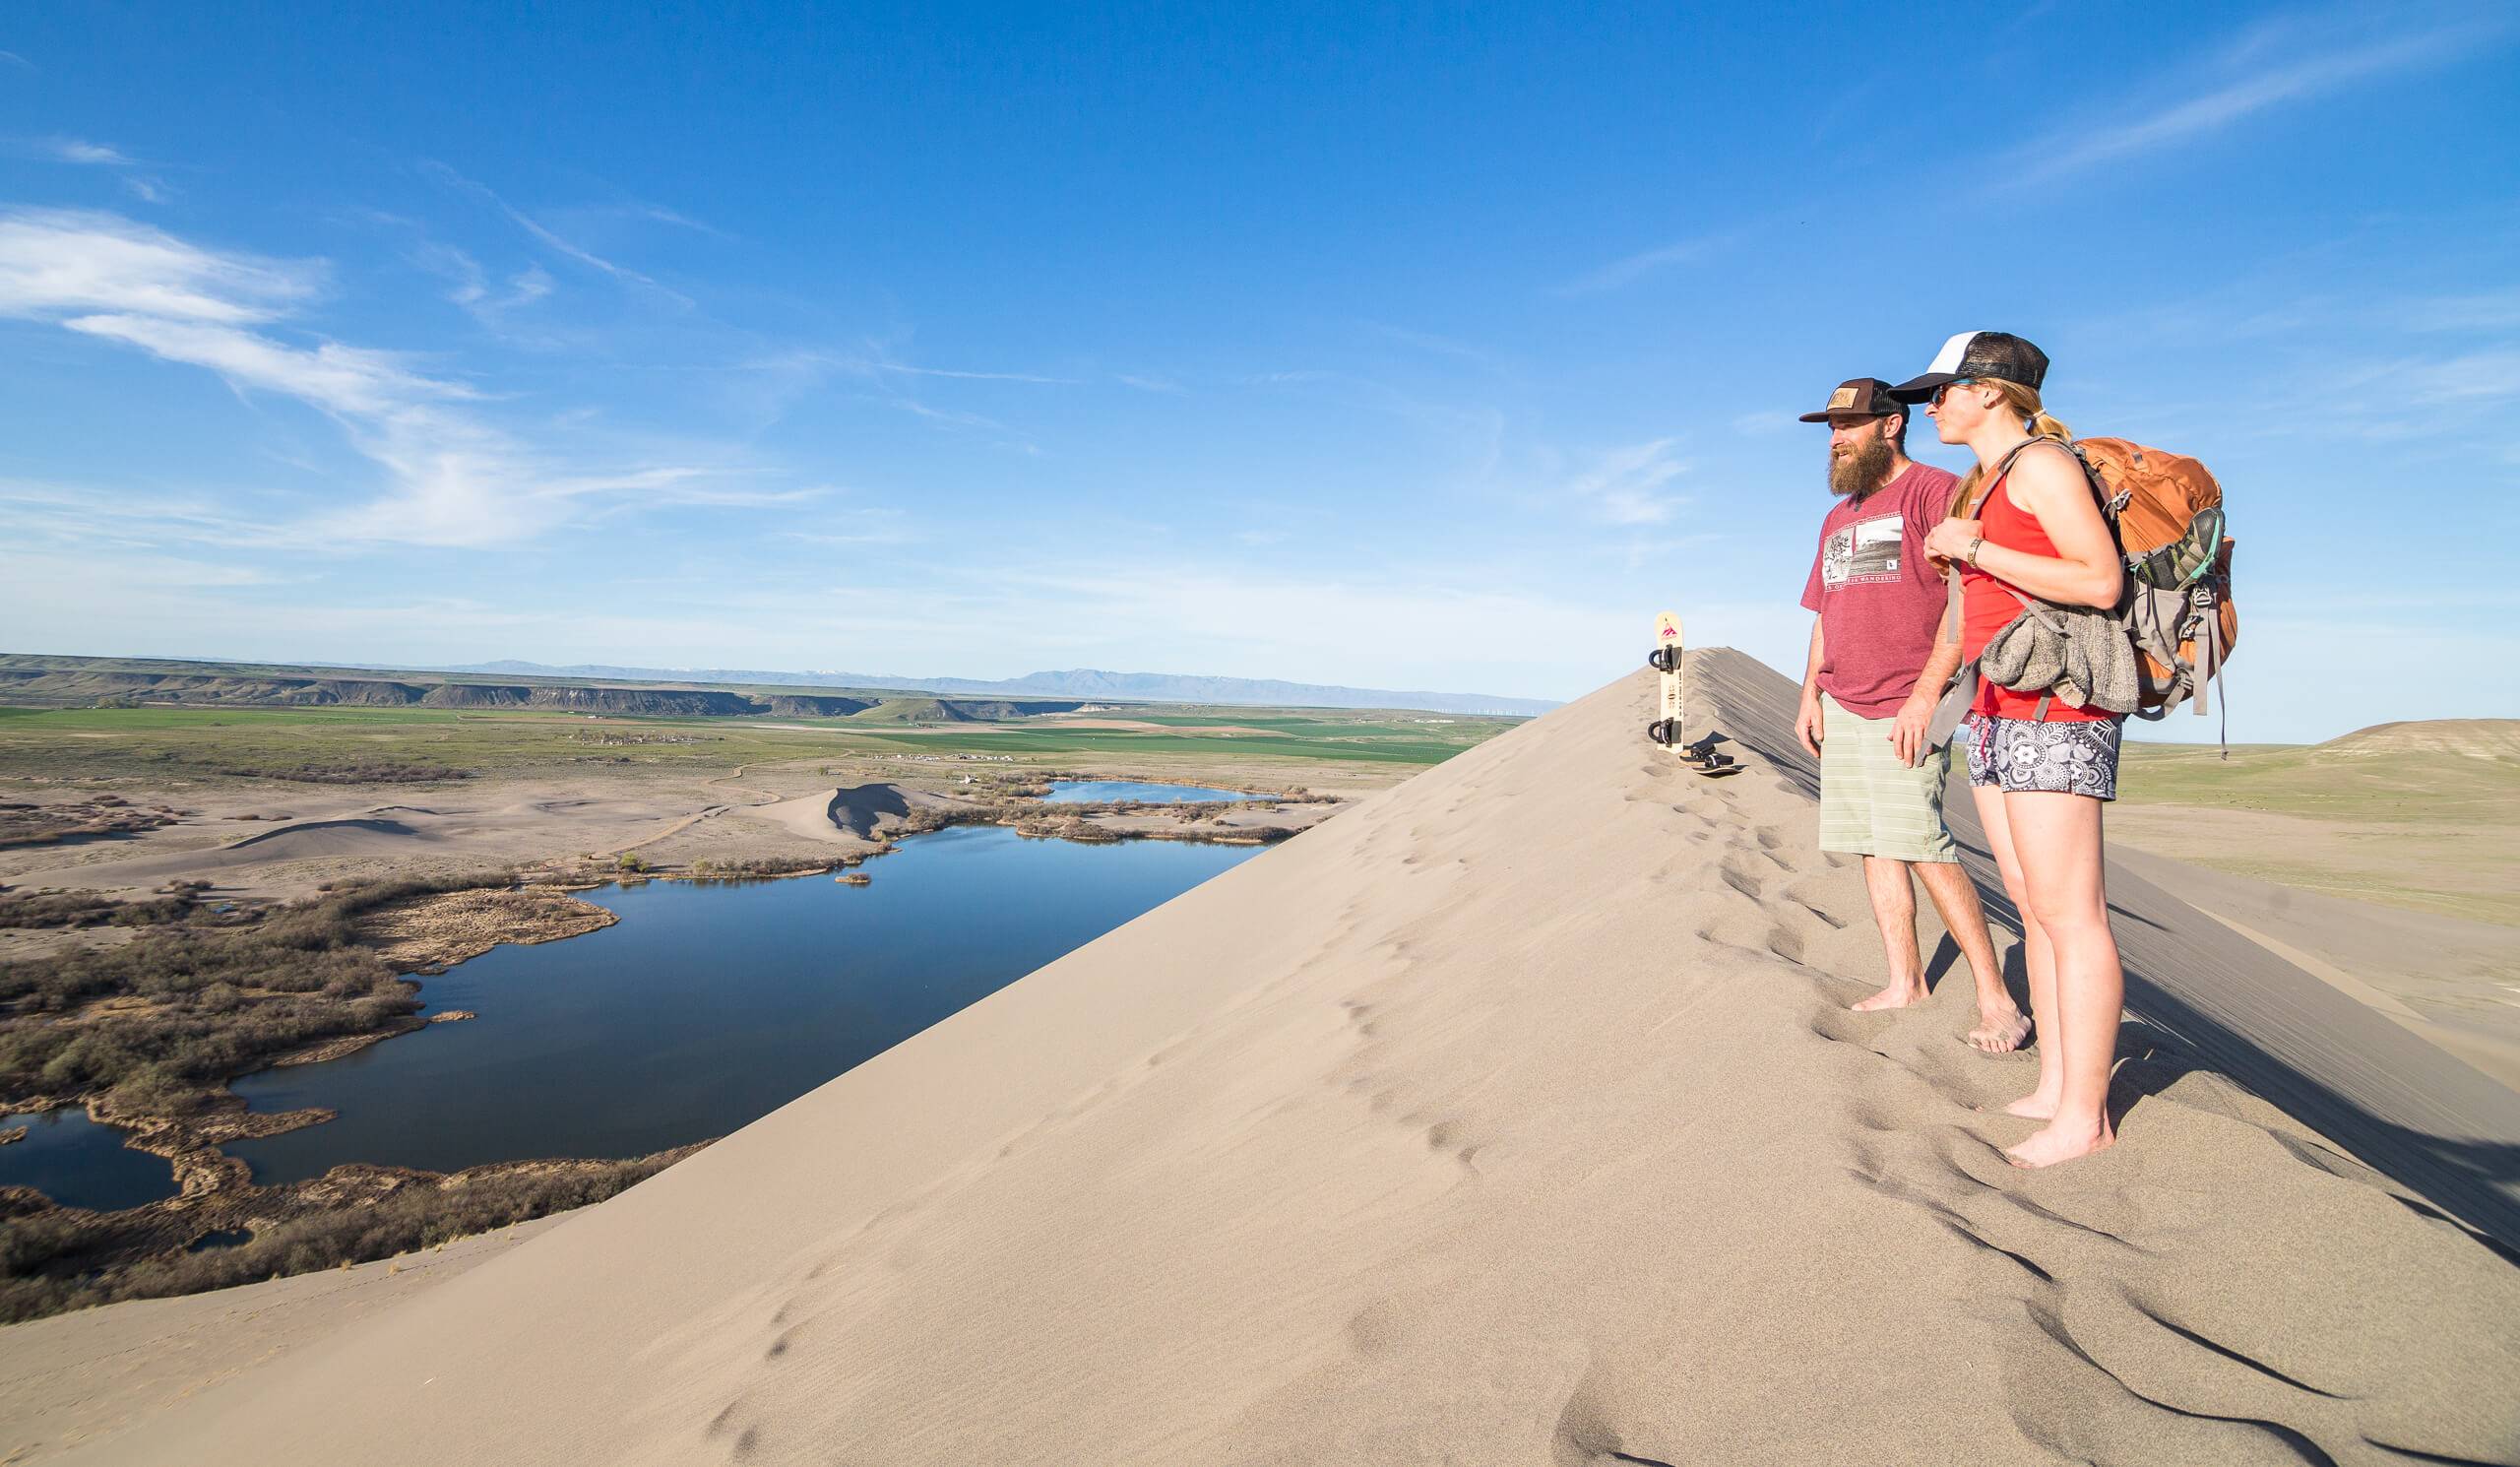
column 1994, row 481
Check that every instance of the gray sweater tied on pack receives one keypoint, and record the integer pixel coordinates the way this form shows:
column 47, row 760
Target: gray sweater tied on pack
column 2079, row 655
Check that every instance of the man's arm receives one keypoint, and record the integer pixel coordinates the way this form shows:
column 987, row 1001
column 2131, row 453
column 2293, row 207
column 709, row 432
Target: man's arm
column 1807, row 718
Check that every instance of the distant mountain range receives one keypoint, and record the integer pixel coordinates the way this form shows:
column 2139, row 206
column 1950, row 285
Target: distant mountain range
column 1076, row 682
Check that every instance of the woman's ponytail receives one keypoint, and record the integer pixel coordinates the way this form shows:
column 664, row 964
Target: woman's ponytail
column 2024, row 402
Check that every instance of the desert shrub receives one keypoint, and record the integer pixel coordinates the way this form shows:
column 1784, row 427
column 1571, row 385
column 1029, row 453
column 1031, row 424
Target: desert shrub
column 225, row 999
column 761, row 865
column 86, row 909
column 50, row 1264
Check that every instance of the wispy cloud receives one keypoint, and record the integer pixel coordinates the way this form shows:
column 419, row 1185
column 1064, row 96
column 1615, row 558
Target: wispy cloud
column 1443, row 346
column 451, row 476
column 56, row 261
column 778, row 380
column 902, row 369
column 85, row 153
column 80, row 150
column 2489, row 310
column 342, row 380
column 69, row 515
column 1630, row 268
column 2273, row 80
column 847, row 528
column 660, row 214
column 469, row 287
column 2471, row 379
column 549, row 238
column 1625, row 486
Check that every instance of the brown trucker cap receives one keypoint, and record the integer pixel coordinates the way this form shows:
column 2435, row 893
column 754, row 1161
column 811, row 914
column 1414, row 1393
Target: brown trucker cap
column 1975, row 355
column 1866, row 397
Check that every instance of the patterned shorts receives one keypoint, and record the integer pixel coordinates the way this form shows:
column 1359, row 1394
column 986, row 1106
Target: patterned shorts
column 2063, row 758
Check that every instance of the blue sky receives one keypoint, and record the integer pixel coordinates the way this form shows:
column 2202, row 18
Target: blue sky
column 1426, row 349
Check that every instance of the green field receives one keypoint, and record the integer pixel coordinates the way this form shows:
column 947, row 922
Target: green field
column 190, row 743
column 2409, row 826
column 2315, row 781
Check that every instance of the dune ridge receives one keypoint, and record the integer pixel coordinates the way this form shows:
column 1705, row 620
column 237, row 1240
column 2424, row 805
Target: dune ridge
column 1512, row 1116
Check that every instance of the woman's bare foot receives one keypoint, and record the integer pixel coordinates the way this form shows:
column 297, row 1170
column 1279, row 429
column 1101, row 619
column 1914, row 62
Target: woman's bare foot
column 1897, row 995
column 2037, row 1105
column 2000, row 1032
column 2060, row 1144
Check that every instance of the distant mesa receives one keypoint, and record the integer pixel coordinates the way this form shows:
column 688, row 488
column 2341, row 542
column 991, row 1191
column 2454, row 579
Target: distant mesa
column 66, row 684
column 713, row 692
column 1074, row 682
column 811, row 705
column 2473, row 737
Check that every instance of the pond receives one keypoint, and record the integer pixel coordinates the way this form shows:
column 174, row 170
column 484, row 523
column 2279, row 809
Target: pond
column 1082, row 791
column 78, row 1163
column 710, row 1003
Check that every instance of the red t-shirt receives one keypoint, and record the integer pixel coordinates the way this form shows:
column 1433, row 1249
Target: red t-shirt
column 1878, row 599
column 1986, row 607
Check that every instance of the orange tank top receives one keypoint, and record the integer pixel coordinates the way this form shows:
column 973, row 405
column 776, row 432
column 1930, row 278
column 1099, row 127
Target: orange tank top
column 1986, row 607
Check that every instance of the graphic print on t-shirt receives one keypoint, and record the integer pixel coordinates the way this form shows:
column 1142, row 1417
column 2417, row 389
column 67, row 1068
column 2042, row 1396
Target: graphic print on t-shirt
column 1865, row 552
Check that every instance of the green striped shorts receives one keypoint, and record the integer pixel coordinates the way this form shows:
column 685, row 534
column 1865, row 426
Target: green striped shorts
column 1870, row 803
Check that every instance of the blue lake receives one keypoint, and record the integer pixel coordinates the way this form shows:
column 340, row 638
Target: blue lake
column 710, row 1003
column 78, row 1163
column 1081, row 792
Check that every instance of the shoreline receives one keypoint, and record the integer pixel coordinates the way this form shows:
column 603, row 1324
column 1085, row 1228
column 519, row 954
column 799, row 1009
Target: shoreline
column 425, row 935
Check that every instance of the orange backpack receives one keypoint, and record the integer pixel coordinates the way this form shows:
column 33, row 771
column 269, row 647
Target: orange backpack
column 2167, row 510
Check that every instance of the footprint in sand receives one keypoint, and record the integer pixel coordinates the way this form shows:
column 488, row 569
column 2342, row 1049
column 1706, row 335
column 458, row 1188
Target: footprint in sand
column 1739, row 880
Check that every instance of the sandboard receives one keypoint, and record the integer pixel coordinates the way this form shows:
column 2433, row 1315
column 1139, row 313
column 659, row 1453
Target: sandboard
column 1664, row 658
column 1668, row 729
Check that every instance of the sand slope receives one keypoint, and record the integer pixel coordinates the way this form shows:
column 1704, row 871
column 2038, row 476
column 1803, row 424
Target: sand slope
column 2454, row 982
column 81, row 1379
column 1511, row 1117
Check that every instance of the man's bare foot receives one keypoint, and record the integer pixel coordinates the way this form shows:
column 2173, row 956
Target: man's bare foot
column 2060, row 1144
column 2037, row 1105
column 1897, row 995
column 2000, row 1032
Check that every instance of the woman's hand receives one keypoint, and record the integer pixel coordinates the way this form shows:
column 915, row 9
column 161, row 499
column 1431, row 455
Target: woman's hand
column 1948, row 541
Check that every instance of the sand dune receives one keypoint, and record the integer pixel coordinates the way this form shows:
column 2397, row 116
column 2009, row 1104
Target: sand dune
column 329, row 837
column 1512, row 1117
column 387, row 836
column 856, row 815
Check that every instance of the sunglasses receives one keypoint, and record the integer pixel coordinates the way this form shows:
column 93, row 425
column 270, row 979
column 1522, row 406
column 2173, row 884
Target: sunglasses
column 1937, row 398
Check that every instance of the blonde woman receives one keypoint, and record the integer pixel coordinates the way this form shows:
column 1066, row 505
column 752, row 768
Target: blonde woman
column 2026, row 523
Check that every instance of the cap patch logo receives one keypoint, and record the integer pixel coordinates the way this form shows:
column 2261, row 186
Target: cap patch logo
column 1844, row 397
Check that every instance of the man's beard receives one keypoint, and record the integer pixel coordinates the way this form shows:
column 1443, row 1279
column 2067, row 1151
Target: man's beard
column 1858, row 474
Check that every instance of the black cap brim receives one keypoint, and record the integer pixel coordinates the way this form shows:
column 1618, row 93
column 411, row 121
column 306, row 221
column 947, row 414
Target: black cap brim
column 1917, row 389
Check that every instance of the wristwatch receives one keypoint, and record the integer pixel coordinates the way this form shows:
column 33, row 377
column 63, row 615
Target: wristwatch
column 1975, row 541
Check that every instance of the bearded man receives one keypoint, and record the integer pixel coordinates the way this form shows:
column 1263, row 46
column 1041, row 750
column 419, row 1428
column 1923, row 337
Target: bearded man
column 1869, row 691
